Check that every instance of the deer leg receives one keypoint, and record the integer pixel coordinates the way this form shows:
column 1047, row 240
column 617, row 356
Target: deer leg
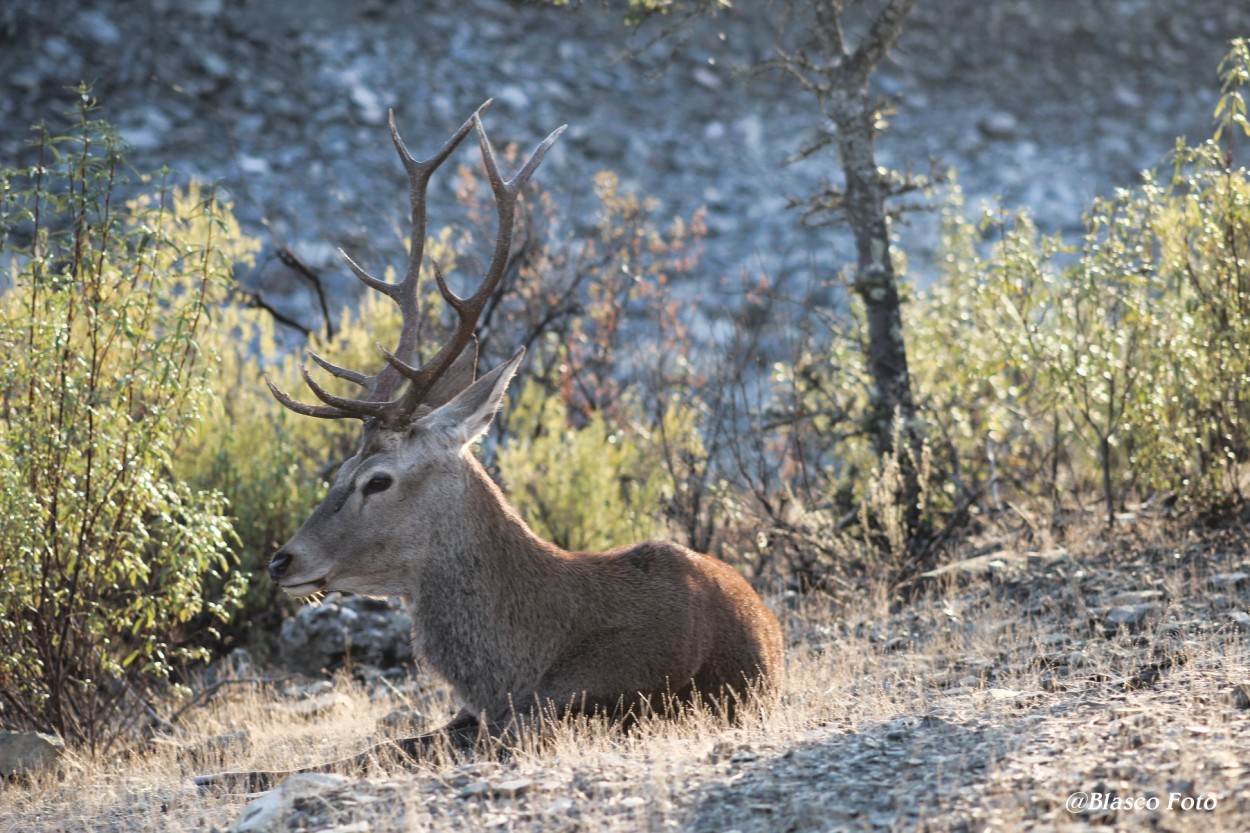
column 252, row 782
column 462, row 732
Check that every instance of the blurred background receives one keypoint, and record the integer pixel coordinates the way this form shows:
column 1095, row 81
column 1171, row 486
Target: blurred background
column 1044, row 103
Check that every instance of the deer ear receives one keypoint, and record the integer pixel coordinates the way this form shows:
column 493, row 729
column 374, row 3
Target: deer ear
column 458, row 377
column 467, row 416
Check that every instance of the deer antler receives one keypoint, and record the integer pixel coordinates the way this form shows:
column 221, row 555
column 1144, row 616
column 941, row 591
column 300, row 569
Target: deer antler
column 382, row 402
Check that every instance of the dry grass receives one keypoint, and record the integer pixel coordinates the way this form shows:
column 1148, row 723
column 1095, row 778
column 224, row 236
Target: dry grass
column 983, row 706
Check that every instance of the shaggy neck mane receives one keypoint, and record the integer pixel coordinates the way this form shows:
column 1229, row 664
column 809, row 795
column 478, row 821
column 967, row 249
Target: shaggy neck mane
column 487, row 561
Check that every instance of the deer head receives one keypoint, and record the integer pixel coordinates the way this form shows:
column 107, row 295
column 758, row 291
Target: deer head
column 372, row 528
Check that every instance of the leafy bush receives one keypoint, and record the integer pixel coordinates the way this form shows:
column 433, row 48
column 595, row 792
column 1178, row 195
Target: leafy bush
column 102, row 375
column 1047, row 356
column 1046, row 373
column 1116, row 367
column 1193, row 423
column 591, row 486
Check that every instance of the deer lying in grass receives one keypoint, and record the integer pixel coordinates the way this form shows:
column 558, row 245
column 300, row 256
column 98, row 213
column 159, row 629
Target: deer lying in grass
column 521, row 629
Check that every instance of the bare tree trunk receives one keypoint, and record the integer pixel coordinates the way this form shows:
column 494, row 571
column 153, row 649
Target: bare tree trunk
column 875, row 280
column 839, row 78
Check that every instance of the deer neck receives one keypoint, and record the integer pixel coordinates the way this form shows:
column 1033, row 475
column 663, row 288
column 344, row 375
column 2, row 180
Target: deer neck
column 488, row 609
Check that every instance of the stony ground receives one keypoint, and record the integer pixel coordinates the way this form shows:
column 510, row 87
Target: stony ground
column 1114, row 672
column 1046, row 102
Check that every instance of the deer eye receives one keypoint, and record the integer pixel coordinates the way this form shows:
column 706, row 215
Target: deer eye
column 377, row 483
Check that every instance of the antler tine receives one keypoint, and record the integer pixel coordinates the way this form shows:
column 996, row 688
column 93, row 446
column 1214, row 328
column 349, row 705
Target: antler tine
column 359, row 408
column 404, row 294
column 453, row 300
column 390, row 290
column 319, row 411
column 469, row 309
column 522, row 176
column 342, row 372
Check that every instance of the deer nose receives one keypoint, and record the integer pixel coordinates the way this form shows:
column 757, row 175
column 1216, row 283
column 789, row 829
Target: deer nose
column 279, row 564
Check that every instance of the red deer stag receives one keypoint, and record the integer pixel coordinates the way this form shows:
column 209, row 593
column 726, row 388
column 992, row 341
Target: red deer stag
column 520, row 628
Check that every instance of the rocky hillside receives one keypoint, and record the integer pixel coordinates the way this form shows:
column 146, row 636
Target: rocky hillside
column 1046, row 102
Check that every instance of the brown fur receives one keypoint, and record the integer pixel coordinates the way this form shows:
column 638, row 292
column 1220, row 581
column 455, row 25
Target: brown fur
column 511, row 621
column 516, row 625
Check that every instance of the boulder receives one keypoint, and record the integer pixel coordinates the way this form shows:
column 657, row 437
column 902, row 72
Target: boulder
column 24, row 752
column 280, row 808
column 324, row 637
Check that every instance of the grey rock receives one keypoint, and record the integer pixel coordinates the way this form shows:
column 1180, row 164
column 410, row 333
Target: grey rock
column 239, row 741
column 97, row 26
column 376, row 632
column 513, row 96
column 368, row 104
column 253, row 165
column 314, row 706
column 707, row 78
column 22, row 752
column 512, row 788
column 1241, row 619
column 273, row 811
column 149, row 133
column 308, row 692
column 1127, row 97
column 999, row 125
column 59, row 48
column 141, row 138
column 400, row 719
column 475, row 789
column 203, row 8
column 1135, row 597
column 27, row 80
column 1130, row 616
column 599, row 145
column 215, row 65
column 562, row 807
column 1229, row 581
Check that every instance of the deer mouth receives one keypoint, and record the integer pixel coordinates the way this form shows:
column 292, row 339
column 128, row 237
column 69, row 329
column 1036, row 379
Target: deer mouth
column 304, row 588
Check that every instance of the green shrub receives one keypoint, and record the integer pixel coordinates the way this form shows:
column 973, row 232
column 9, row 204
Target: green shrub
column 103, row 552
column 592, row 485
column 1117, row 367
column 1192, row 423
column 1051, row 376
column 1046, row 346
